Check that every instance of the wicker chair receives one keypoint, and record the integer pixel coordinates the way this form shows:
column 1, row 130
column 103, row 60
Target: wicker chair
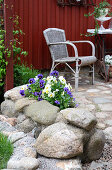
column 56, row 40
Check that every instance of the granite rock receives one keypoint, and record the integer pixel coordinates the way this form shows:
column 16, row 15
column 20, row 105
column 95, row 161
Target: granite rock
column 26, row 163
column 42, row 112
column 60, row 141
column 80, row 118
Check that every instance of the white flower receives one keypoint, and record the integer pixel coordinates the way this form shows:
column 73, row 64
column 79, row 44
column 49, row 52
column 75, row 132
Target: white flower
column 51, row 94
column 43, row 94
column 49, row 78
column 63, row 81
column 36, row 78
column 63, row 93
column 108, row 59
column 68, row 86
column 47, row 88
column 24, row 87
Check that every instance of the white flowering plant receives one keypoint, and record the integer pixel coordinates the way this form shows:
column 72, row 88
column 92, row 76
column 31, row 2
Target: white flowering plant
column 108, row 60
column 54, row 89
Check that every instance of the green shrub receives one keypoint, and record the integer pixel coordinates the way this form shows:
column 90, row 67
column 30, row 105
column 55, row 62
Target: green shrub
column 23, row 73
column 6, row 150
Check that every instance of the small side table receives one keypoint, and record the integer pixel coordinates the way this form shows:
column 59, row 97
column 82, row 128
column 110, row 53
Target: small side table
column 101, row 50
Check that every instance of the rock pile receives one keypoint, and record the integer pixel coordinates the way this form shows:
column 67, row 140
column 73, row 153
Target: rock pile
column 61, row 134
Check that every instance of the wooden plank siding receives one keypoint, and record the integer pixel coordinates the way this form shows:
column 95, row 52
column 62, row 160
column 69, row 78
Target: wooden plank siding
column 37, row 15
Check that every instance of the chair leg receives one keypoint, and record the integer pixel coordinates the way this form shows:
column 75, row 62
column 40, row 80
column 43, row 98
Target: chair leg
column 93, row 74
column 76, row 77
column 52, row 68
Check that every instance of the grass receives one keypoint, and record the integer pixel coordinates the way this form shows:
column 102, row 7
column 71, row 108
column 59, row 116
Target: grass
column 6, row 150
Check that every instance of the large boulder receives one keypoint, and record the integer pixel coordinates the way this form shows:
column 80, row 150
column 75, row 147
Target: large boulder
column 14, row 94
column 8, row 108
column 21, row 103
column 60, row 141
column 26, row 125
column 42, row 112
column 94, row 147
column 80, row 118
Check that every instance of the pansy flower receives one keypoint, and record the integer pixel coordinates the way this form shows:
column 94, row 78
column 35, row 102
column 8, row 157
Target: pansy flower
column 57, row 102
column 39, row 99
column 22, row 92
column 32, row 81
column 69, row 93
column 66, row 89
column 42, row 82
column 55, row 73
column 35, row 93
column 40, row 76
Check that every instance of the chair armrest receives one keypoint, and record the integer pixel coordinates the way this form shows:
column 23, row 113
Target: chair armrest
column 66, row 43
column 93, row 47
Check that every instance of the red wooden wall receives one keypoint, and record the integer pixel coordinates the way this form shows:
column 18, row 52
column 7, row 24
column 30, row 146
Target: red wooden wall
column 37, row 15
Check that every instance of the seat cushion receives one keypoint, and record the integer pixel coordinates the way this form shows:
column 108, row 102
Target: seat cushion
column 86, row 60
column 66, row 60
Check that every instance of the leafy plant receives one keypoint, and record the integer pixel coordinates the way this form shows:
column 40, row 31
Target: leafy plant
column 53, row 89
column 22, row 74
column 6, row 150
column 3, row 52
column 101, row 9
column 18, row 52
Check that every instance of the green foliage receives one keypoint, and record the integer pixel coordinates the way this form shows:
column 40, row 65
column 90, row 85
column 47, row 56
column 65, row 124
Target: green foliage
column 99, row 10
column 22, row 74
column 1, row 1
column 18, row 52
column 3, row 51
column 6, row 150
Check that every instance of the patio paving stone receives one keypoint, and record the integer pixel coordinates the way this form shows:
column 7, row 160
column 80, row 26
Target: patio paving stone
column 101, row 100
column 105, row 107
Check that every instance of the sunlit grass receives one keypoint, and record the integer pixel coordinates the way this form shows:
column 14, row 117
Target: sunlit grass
column 6, row 150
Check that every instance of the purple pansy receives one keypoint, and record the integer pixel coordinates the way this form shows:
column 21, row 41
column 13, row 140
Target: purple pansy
column 42, row 82
column 57, row 102
column 35, row 93
column 73, row 99
column 69, row 93
column 40, row 93
column 29, row 88
column 22, row 92
column 54, row 73
column 32, row 81
column 40, row 76
column 66, row 89
column 76, row 105
column 39, row 99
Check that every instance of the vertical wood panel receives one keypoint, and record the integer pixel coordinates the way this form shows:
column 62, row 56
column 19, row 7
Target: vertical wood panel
column 38, row 15
column 8, row 25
